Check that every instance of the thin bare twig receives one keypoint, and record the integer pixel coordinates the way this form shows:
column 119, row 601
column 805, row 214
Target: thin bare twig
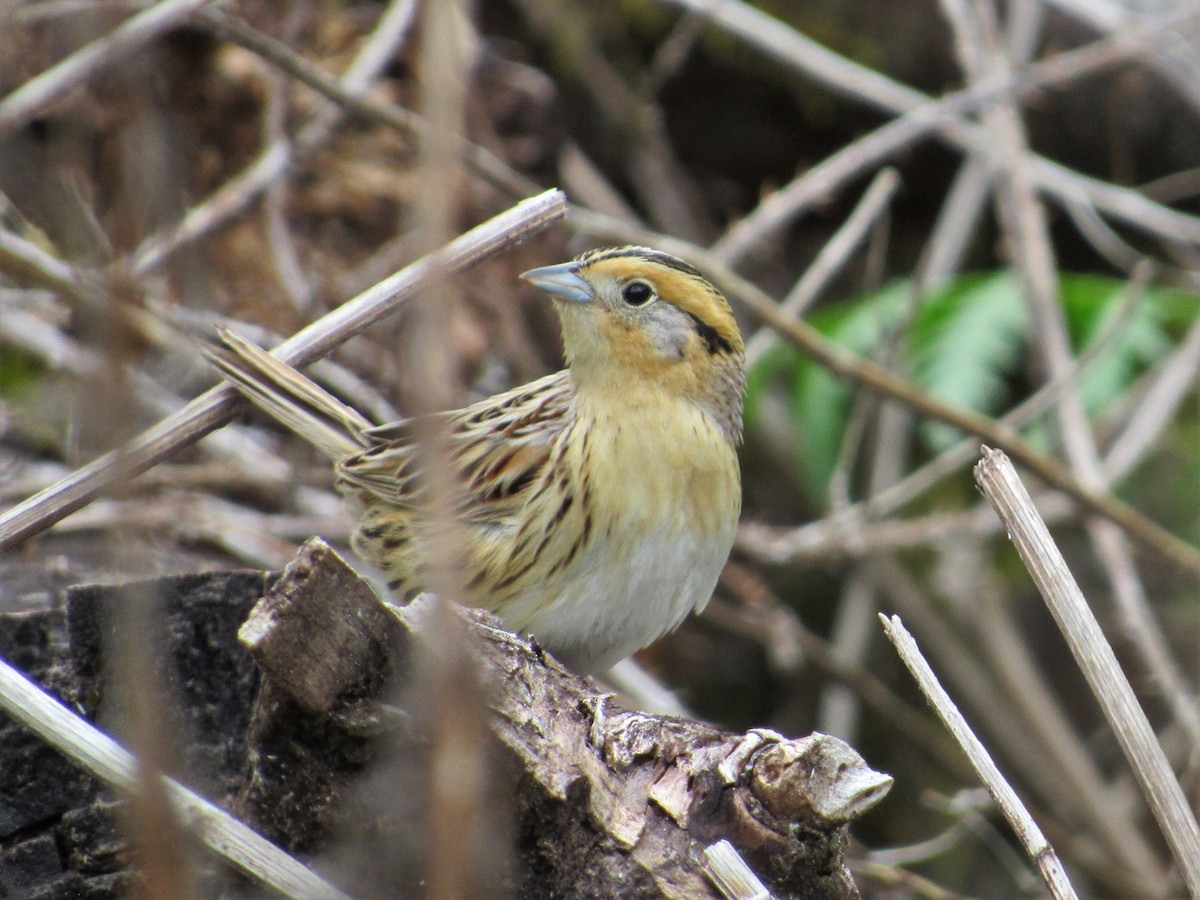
column 1000, row 484
column 1027, row 831
column 763, row 617
column 958, row 660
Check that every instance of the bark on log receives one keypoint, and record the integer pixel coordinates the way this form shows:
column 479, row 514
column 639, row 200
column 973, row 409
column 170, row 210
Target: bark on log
column 608, row 799
column 330, row 752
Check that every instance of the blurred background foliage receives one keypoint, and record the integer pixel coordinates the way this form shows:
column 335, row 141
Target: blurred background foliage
column 667, row 123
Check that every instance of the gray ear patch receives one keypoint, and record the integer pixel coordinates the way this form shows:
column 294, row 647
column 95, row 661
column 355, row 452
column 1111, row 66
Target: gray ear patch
column 668, row 327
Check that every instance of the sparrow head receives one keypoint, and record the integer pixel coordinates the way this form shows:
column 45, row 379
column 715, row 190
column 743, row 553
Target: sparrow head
column 636, row 313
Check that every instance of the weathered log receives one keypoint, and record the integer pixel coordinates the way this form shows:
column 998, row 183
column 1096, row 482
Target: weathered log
column 329, row 751
column 607, row 798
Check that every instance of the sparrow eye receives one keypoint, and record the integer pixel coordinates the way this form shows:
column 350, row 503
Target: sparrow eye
column 637, row 293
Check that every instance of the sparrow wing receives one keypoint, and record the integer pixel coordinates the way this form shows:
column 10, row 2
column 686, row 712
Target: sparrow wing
column 499, row 447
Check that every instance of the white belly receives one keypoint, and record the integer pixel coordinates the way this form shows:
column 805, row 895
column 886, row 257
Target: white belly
column 623, row 598
column 665, row 513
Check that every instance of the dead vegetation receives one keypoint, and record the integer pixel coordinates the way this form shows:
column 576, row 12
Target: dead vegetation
column 170, row 169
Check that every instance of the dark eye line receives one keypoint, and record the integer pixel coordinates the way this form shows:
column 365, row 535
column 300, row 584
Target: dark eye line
column 714, row 341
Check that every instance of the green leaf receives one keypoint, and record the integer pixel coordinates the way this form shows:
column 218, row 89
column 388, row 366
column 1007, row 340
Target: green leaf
column 1090, row 304
column 967, row 342
column 967, row 345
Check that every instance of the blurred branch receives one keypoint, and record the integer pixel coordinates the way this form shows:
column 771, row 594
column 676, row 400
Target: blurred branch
column 832, row 256
column 1115, row 250
column 782, row 545
column 27, row 261
column 217, row 406
column 846, row 534
column 959, row 215
column 920, row 115
column 31, row 99
column 1174, row 56
column 662, row 184
column 62, row 353
column 1169, row 386
column 345, row 94
column 233, row 197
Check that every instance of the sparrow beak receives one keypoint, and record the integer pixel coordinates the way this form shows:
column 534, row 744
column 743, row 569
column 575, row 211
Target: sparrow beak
column 561, row 282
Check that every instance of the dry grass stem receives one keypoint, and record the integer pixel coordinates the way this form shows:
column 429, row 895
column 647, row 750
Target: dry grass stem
column 1028, row 239
column 999, row 482
column 730, row 874
column 994, row 711
column 1027, row 831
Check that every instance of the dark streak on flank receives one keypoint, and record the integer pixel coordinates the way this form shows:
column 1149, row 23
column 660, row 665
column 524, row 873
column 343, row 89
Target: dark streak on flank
column 517, row 574
column 527, row 536
column 713, row 341
column 547, row 483
column 566, row 560
column 564, row 508
column 488, row 412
